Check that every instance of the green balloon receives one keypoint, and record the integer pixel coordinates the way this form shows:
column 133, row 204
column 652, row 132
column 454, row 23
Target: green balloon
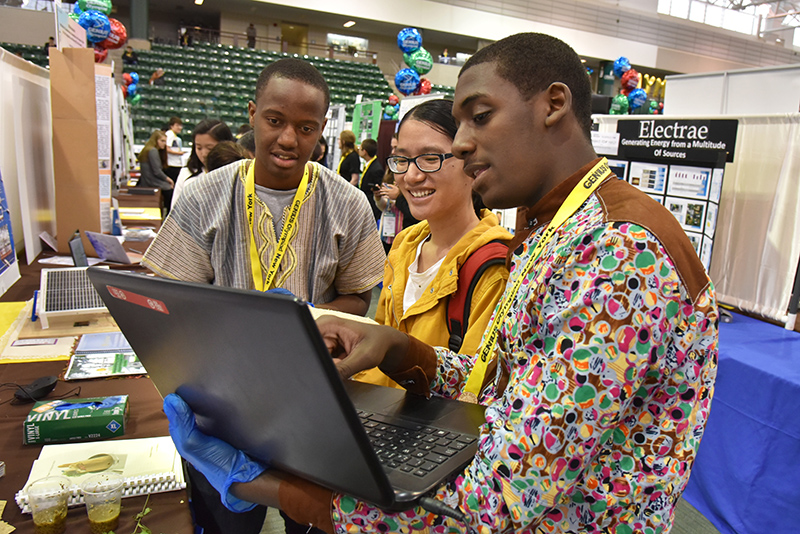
column 389, row 109
column 74, row 16
column 136, row 98
column 103, row 6
column 619, row 105
column 420, row 60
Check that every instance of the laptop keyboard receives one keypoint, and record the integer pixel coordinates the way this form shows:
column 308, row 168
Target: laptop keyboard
column 412, row 448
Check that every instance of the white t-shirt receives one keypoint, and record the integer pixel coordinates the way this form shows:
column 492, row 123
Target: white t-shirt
column 418, row 282
column 174, row 142
column 180, row 183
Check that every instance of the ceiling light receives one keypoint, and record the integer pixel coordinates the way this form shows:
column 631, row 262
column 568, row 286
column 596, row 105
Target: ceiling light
column 198, row 2
column 349, row 23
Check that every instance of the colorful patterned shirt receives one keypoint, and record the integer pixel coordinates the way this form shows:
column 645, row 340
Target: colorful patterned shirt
column 606, row 367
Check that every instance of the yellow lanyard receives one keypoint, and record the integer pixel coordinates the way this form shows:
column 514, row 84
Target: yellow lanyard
column 575, row 200
column 365, row 170
column 341, row 160
column 263, row 283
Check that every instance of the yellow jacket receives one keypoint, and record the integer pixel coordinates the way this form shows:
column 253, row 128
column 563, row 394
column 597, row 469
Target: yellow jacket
column 426, row 320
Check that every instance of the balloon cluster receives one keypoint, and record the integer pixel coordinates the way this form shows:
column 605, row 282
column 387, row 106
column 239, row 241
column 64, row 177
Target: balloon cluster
column 409, row 80
column 102, row 31
column 631, row 96
column 130, row 87
column 392, row 109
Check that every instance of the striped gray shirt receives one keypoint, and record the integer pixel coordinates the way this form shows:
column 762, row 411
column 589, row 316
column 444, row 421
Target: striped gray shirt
column 335, row 251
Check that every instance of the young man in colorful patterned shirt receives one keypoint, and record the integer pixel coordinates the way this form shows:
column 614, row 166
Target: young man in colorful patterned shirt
column 605, row 339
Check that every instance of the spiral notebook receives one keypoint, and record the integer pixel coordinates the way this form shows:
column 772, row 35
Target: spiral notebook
column 147, row 465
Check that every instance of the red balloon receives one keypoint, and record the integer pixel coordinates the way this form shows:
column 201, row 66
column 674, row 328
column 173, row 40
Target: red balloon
column 630, row 79
column 625, row 91
column 127, row 78
column 124, row 91
column 117, row 36
column 100, row 54
column 393, row 99
column 424, row 86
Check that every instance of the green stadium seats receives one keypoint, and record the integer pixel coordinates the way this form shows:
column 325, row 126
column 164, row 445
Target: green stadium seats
column 217, row 81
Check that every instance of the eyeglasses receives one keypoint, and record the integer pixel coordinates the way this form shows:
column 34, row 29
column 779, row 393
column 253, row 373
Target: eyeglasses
column 424, row 162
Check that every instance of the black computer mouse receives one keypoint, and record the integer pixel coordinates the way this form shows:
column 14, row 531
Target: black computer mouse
column 36, row 390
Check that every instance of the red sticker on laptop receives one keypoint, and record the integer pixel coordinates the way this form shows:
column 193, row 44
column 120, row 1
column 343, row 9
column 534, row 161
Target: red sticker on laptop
column 139, row 300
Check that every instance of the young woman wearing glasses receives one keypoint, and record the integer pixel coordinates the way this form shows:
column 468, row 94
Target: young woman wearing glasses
column 423, row 264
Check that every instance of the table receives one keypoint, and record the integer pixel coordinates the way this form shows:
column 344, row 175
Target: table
column 170, row 511
column 744, row 479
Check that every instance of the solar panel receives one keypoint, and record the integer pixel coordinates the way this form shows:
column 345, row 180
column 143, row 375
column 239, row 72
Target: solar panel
column 67, row 292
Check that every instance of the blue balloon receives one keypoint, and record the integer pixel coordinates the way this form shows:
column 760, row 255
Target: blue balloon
column 134, row 77
column 637, row 98
column 621, row 66
column 132, row 87
column 406, row 81
column 96, row 24
column 76, row 9
column 409, row 40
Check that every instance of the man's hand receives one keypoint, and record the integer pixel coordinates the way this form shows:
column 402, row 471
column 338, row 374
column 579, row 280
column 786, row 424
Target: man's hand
column 356, row 346
column 221, row 464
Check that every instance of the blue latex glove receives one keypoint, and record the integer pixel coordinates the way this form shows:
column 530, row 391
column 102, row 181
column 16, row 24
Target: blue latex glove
column 220, row 462
column 282, row 291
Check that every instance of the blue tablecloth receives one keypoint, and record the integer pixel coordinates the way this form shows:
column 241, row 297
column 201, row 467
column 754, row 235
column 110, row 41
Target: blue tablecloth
column 746, row 478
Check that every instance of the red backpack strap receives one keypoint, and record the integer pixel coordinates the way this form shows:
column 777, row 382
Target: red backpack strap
column 492, row 253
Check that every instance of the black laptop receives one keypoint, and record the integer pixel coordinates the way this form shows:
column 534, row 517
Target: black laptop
column 257, row 374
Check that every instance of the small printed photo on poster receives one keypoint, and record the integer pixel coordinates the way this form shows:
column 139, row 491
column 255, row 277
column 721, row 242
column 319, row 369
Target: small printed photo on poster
column 711, row 220
column 705, row 252
column 649, row 177
column 657, row 198
column 692, row 182
column 619, row 167
column 716, row 185
column 689, row 214
column 696, row 240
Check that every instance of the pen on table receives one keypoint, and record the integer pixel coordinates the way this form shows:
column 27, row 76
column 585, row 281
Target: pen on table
column 33, row 309
column 135, row 251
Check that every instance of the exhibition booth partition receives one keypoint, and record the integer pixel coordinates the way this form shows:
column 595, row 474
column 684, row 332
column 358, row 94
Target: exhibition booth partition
column 732, row 184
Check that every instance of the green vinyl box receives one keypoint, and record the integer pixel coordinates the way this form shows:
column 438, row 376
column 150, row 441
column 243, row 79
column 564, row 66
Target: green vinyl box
column 61, row 421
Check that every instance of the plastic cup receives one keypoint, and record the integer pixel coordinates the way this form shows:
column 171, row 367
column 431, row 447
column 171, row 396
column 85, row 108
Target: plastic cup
column 47, row 498
column 102, row 494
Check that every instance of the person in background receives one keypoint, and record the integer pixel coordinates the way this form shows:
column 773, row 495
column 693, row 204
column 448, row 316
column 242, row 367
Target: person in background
column 157, row 78
column 243, row 129
column 372, row 175
column 605, row 340
column 423, row 266
column 174, row 147
column 349, row 165
column 225, row 153
column 129, row 57
column 51, row 42
column 152, row 160
column 321, row 152
column 251, row 36
column 333, row 257
column 389, row 194
column 206, row 135
column 248, row 142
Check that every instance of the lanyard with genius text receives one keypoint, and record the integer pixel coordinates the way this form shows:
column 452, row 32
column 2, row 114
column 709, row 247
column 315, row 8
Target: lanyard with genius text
column 575, row 200
column 263, row 283
column 361, row 179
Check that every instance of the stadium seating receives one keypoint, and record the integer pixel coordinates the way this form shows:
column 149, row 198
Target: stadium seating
column 216, row 81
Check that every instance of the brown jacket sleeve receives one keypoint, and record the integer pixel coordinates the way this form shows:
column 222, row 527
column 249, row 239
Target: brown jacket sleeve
column 418, row 369
column 306, row 503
